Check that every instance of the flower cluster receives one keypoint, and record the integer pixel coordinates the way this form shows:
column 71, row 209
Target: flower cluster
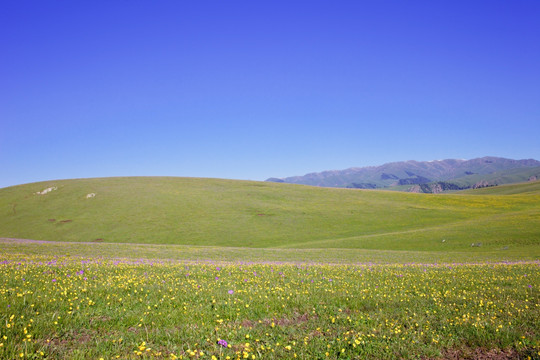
column 222, row 343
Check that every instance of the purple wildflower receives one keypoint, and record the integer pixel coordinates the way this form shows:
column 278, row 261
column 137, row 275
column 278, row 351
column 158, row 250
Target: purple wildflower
column 230, row 292
column 222, row 343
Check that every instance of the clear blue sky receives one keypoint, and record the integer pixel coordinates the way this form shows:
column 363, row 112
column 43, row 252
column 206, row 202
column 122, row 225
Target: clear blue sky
column 258, row 89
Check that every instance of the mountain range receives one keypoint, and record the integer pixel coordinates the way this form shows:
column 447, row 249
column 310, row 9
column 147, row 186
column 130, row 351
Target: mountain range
column 426, row 176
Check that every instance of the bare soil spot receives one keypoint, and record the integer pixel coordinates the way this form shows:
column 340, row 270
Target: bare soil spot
column 480, row 354
column 295, row 319
column 100, row 319
column 70, row 338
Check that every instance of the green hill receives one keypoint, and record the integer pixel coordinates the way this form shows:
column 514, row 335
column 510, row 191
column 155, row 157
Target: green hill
column 526, row 188
column 231, row 213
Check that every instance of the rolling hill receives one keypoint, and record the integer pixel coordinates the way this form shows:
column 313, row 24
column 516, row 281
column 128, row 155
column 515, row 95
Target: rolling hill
column 232, row 213
column 427, row 176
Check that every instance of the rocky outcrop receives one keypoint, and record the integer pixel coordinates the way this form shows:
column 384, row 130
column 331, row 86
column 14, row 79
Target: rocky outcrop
column 436, row 187
column 481, row 184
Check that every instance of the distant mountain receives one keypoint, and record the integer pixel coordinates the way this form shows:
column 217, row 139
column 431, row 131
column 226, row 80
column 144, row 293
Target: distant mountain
column 425, row 176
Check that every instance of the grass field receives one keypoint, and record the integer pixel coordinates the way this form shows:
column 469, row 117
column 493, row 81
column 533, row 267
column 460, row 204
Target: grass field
column 212, row 212
column 178, row 268
column 91, row 308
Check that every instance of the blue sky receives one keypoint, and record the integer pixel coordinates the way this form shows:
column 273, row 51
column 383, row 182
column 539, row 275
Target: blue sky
column 258, row 89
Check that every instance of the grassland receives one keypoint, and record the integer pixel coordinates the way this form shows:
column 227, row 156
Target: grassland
column 220, row 254
column 92, row 308
column 226, row 213
column 169, row 268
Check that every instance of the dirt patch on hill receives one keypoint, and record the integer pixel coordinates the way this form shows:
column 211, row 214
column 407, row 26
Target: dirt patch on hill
column 47, row 190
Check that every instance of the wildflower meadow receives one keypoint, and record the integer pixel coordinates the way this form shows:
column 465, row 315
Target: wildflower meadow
column 55, row 307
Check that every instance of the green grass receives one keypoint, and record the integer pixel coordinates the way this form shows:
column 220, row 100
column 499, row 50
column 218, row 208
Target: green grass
column 220, row 254
column 56, row 307
column 278, row 271
column 245, row 214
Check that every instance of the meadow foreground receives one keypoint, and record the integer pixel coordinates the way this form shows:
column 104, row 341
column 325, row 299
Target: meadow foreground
column 95, row 307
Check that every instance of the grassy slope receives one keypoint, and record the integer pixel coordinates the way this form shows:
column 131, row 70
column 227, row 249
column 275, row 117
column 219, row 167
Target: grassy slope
column 212, row 212
column 525, row 188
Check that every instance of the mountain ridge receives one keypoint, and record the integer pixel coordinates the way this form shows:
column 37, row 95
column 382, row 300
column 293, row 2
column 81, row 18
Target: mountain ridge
column 443, row 175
